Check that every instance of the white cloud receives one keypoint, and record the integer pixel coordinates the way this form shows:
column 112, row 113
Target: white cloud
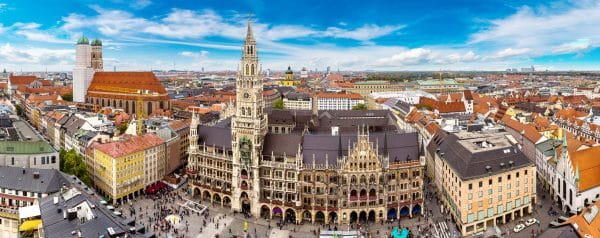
column 510, row 52
column 139, row 4
column 32, row 32
column 201, row 54
column 186, row 24
column 575, row 46
column 36, row 55
column 545, row 31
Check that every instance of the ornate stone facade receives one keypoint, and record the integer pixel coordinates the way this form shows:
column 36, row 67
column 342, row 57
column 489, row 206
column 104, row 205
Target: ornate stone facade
column 304, row 166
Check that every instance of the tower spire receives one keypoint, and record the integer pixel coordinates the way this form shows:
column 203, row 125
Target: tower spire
column 249, row 33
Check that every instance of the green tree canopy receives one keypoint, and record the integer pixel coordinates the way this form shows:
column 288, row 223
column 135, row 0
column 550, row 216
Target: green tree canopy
column 278, row 103
column 72, row 163
column 123, row 127
column 360, row 106
column 67, row 97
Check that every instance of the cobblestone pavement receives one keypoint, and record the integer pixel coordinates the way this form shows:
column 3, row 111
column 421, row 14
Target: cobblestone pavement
column 433, row 224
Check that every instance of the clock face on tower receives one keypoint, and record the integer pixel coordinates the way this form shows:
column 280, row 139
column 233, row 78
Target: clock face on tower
column 246, row 95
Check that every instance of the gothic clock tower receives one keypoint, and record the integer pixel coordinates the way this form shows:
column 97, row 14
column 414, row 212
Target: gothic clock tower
column 249, row 126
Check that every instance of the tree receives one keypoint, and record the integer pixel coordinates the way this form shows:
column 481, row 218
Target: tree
column 67, row 97
column 72, row 163
column 18, row 109
column 360, row 106
column 278, row 103
column 123, row 127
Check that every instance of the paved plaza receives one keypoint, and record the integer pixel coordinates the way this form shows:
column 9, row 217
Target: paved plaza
column 201, row 219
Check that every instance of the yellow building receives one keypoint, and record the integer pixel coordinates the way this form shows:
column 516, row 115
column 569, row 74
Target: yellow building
column 482, row 179
column 120, row 169
column 289, row 78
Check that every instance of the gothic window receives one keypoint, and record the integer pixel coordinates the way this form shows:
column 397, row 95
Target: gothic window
column 252, row 70
column 247, row 70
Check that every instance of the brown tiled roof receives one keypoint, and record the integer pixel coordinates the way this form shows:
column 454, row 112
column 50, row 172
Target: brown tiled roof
column 180, row 124
column 584, row 227
column 468, row 95
column 107, row 81
column 21, row 80
column 442, row 106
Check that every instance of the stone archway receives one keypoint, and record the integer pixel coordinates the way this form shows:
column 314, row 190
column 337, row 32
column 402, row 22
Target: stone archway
column 333, row 217
column 290, row 216
column 206, row 196
column 362, row 217
column 277, row 212
column 353, row 217
column 245, row 203
column 392, row 214
column 216, row 199
column 320, row 217
column 265, row 212
column 371, row 216
column 404, row 211
column 416, row 209
column 306, row 216
column 226, row 201
column 196, row 192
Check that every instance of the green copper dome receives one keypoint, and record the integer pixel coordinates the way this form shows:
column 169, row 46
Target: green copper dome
column 83, row 40
column 96, row 42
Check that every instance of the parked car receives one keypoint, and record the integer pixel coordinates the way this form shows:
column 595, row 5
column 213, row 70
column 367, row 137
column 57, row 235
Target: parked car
column 519, row 228
column 530, row 221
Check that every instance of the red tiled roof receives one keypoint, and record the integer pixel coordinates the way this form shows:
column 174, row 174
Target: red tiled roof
column 21, row 80
column 109, row 81
column 129, row 145
column 441, row 106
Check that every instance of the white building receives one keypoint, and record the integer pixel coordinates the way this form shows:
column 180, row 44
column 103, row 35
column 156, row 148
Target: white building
column 304, row 73
column 410, row 97
column 338, row 101
column 28, row 154
column 575, row 180
column 88, row 59
column 297, row 101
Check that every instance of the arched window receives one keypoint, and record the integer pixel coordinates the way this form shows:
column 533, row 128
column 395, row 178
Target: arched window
column 247, row 70
column 149, row 108
column 252, row 70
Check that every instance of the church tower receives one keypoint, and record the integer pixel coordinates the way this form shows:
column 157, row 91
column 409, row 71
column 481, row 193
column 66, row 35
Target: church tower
column 249, row 127
column 97, row 63
column 82, row 72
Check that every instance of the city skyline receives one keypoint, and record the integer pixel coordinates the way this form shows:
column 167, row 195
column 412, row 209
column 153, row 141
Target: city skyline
column 386, row 36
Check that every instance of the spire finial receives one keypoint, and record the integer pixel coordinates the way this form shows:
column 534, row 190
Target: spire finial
column 249, row 34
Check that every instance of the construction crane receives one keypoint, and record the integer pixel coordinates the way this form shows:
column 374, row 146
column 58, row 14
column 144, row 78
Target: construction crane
column 139, row 102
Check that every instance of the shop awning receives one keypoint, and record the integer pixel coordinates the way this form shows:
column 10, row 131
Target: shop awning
column 30, row 225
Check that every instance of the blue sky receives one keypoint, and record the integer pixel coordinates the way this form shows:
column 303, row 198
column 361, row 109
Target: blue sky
column 349, row 35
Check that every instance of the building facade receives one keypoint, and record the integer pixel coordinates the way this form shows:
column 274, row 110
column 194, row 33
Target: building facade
column 338, row 101
column 122, row 90
column 297, row 101
column 482, row 179
column 304, row 166
column 364, row 88
column 122, row 169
